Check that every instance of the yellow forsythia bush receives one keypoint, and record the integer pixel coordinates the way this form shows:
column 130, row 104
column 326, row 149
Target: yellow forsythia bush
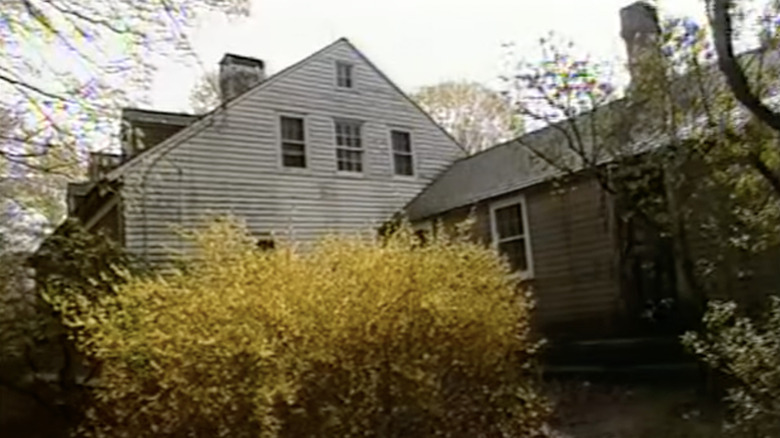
column 350, row 338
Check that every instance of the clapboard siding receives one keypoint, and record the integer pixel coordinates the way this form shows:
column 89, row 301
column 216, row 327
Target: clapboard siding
column 575, row 283
column 230, row 163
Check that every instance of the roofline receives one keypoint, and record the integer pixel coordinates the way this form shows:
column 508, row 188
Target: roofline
column 204, row 121
column 402, row 93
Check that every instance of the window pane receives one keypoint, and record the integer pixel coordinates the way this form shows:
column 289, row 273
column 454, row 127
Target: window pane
column 350, row 160
column 294, row 160
column 401, row 141
column 348, row 134
column 403, row 164
column 515, row 253
column 293, row 149
column 292, row 128
column 509, row 221
column 344, row 75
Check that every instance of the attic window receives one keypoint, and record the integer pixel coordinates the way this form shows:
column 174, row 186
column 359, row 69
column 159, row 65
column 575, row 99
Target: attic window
column 293, row 141
column 344, row 77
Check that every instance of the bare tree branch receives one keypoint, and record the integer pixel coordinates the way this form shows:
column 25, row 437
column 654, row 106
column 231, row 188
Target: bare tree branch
column 723, row 32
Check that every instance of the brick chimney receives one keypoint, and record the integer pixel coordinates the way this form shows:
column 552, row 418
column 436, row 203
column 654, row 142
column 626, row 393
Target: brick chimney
column 237, row 74
column 640, row 30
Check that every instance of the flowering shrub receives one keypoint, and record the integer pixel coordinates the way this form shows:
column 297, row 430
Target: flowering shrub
column 353, row 337
column 747, row 352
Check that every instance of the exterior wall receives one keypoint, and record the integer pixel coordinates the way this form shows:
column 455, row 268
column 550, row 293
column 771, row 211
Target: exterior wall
column 576, row 278
column 230, row 162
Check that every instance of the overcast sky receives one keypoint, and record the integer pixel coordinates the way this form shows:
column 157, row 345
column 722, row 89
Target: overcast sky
column 416, row 42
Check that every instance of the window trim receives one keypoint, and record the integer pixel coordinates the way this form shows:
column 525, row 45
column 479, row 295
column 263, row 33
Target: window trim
column 280, row 141
column 508, row 202
column 412, row 153
column 338, row 63
column 337, row 147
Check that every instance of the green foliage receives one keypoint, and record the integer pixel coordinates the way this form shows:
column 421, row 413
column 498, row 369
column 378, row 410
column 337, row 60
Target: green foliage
column 37, row 358
column 75, row 259
column 352, row 337
column 747, row 351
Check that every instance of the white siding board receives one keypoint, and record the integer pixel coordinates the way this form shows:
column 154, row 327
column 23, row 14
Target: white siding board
column 232, row 165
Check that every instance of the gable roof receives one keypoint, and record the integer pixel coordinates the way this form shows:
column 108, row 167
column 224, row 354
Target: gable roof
column 205, row 121
column 510, row 166
column 501, row 169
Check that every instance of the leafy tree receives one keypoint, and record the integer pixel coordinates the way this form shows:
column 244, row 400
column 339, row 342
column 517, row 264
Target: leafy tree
column 475, row 115
column 724, row 17
column 672, row 148
column 66, row 69
column 747, row 351
column 676, row 150
column 353, row 337
column 37, row 358
column 206, row 94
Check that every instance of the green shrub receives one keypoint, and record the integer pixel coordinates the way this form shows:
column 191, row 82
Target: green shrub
column 747, row 352
column 353, row 337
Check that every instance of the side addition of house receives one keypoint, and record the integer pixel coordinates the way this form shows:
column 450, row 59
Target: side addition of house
column 326, row 145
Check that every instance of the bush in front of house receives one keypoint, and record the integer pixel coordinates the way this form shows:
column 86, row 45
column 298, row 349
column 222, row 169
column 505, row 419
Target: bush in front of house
column 353, row 337
column 746, row 351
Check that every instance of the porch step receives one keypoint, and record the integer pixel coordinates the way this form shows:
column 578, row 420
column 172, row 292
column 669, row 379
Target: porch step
column 623, row 358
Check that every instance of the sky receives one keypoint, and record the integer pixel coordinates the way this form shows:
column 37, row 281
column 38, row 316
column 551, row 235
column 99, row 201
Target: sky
column 415, row 42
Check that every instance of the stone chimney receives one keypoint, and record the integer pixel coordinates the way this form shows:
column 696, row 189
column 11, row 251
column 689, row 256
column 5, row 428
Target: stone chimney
column 237, row 74
column 640, row 30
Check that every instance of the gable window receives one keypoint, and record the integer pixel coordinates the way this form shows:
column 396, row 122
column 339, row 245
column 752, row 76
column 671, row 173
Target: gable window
column 403, row 158
column 509, row 226
column 293, row 141
column 344, row 75
column 349, row 146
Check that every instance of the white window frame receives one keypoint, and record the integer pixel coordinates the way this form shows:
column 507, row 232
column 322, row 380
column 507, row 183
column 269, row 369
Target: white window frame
column 515, row 200
column 281, row 140
column 411, row 152
column 362, row 148
column 351, row 68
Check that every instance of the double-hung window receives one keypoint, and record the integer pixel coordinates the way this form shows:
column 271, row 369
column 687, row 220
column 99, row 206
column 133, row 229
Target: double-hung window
column 349, row 146
column 344, row 75
column 403, row 158
column 293, row 134
column 509, row 226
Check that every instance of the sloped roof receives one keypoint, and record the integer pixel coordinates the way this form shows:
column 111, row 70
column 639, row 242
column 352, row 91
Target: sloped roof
column 512, row 166
column 195, row 127
column 509, row 166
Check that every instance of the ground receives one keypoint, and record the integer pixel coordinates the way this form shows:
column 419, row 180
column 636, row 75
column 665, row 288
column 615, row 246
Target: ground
column 632, row 410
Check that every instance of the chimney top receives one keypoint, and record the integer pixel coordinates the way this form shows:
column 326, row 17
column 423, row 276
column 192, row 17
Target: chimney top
column 639, row 18
column 246, row 61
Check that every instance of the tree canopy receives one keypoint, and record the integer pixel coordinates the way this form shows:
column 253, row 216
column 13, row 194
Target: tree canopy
column 476, row 116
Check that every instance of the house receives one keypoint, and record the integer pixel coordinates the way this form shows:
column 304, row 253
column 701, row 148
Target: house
column 327, row 145
column 331, row 145
column 594, row 274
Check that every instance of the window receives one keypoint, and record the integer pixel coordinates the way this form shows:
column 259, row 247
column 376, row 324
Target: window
column 293, row 141
column 423, row 232
column 344, row 77
column 403, row 160
column 349, row 146
column 266, row 242
column 510, row 233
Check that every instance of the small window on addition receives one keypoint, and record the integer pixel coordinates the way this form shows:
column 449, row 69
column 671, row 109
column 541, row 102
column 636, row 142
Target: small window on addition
column 423, row 232
column 344, row 77
column 266, row 242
